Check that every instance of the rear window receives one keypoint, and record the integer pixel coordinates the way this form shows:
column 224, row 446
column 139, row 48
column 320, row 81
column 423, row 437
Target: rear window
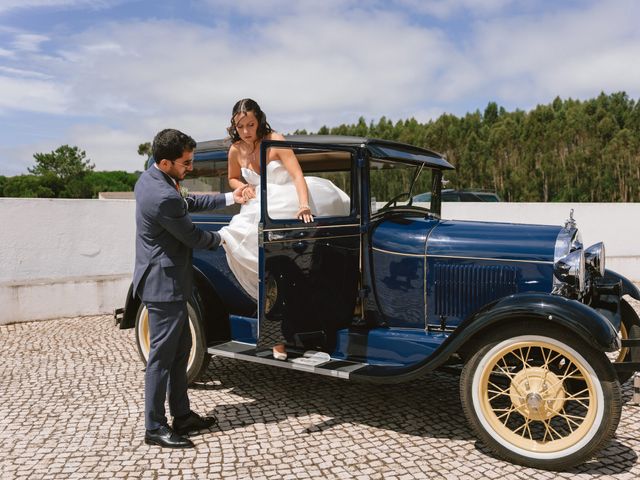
column 210, row 176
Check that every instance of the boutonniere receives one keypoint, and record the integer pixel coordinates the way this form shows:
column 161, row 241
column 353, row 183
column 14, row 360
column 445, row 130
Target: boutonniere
column 184, row 192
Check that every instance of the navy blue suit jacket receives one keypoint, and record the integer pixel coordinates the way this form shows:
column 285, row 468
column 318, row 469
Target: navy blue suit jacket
column 165, row 237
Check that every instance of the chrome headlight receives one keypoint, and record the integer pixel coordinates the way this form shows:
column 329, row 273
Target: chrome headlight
column 594, row 258
column 570, row 269
column 568, row 240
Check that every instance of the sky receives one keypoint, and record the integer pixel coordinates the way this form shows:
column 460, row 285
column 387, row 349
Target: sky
column 106, row 75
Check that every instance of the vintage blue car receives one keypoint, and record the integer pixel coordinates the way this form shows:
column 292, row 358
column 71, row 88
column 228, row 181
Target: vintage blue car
column 537, row 327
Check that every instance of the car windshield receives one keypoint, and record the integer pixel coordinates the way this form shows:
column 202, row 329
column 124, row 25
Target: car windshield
column 395, row 184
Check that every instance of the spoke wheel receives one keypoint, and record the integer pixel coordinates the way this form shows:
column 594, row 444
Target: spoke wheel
column 538, row 396
column 620, row 355
column 198, row 358
column 540, row 401
column 629, row 328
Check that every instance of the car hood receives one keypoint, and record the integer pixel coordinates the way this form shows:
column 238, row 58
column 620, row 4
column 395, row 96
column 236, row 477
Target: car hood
column 491, row 240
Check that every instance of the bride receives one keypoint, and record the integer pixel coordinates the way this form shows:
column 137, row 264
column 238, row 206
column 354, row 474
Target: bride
column 289, row 194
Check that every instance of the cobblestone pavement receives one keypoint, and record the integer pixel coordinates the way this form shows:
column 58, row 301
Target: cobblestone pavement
column 71, row 406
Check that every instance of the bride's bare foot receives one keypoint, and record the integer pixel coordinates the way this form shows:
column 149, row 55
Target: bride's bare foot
column 279, row 352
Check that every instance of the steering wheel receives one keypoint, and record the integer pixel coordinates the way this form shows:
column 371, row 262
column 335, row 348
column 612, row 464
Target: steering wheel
column 394, row 200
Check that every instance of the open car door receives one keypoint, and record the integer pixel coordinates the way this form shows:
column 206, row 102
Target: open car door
column 309, row 272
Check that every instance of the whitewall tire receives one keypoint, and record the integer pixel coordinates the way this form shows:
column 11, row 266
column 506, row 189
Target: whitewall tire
column 544, row 400
column 198, row 357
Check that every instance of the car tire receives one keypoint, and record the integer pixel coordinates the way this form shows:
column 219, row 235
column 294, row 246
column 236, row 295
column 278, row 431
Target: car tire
column 629, row 328
column 543, row 399
column 198, row 357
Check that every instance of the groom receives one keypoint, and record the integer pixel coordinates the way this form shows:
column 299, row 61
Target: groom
column 165, row 237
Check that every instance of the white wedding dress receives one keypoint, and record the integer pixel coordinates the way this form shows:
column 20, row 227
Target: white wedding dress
column 241, row 235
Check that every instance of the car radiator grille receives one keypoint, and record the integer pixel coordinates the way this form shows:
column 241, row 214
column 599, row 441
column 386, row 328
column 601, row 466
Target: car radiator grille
column 460, row 289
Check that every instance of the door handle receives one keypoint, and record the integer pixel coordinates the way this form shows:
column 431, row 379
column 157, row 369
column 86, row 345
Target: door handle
column 272, row 236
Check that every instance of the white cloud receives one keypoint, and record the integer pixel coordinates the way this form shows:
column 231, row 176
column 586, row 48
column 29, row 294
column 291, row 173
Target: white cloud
column 362, row 62
column 441, row 9
column 280, row 8
column 566, row 53
column 305, row 72
column 315, row 63
column 8, row 5
column 109, row 148
column 32, row 95
column 27, row 42
column 17, row 72
column 446, row 8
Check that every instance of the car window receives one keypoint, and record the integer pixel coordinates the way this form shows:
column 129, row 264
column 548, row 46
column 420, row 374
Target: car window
column 469, row 197
column 422, row 198
column 396, row 184
column 488, row 197
column 210, row 176
column 450, row 197
column 328, row 177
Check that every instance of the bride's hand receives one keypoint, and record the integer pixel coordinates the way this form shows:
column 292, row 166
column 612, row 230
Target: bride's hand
column 304, row 214
column 243, row 193
column 248, row 193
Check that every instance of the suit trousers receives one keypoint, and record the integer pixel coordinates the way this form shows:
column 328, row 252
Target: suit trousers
column 166, row 373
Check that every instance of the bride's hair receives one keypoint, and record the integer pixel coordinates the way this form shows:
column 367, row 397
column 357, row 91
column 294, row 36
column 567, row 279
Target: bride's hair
column 247, row 105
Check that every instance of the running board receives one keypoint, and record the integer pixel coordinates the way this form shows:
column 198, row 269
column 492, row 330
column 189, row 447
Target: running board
column 310, row 361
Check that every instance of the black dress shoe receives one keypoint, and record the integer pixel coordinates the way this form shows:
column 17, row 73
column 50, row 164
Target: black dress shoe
column 165, row 437
column 192, row 423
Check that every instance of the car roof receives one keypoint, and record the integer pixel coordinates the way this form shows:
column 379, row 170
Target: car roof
column 378, row 148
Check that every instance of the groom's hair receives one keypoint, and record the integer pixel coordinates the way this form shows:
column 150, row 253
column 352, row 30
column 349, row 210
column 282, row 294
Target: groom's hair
column 247, row 105
column 170, row 144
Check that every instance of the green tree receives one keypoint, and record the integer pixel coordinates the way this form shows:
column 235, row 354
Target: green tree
column 144, row 149
column 28, row 186
column 491, row 113
column 65, row 162
column 91, row 184
column 77, row 187
column 115, row 181
column 568, row 150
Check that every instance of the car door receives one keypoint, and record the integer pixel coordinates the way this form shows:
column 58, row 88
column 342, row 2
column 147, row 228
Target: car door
column 309, row 273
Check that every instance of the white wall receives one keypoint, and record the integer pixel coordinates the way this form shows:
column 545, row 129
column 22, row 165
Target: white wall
column 64, row 257
column 75, row 257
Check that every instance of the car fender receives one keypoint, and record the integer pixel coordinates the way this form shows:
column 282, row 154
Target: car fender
column 593, row 327
column 214, row 315
column 628, row 288
column 132, row 302
column 130, row 309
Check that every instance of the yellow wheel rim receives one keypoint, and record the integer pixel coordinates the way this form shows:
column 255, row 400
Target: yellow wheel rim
column 622, row 353
column 538, row 396
column 145, row 337
column 143, row 334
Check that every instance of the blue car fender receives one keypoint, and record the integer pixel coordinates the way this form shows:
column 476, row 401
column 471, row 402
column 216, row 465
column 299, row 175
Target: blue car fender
column 590, row 325
column 628, row 288
column 593, row 327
